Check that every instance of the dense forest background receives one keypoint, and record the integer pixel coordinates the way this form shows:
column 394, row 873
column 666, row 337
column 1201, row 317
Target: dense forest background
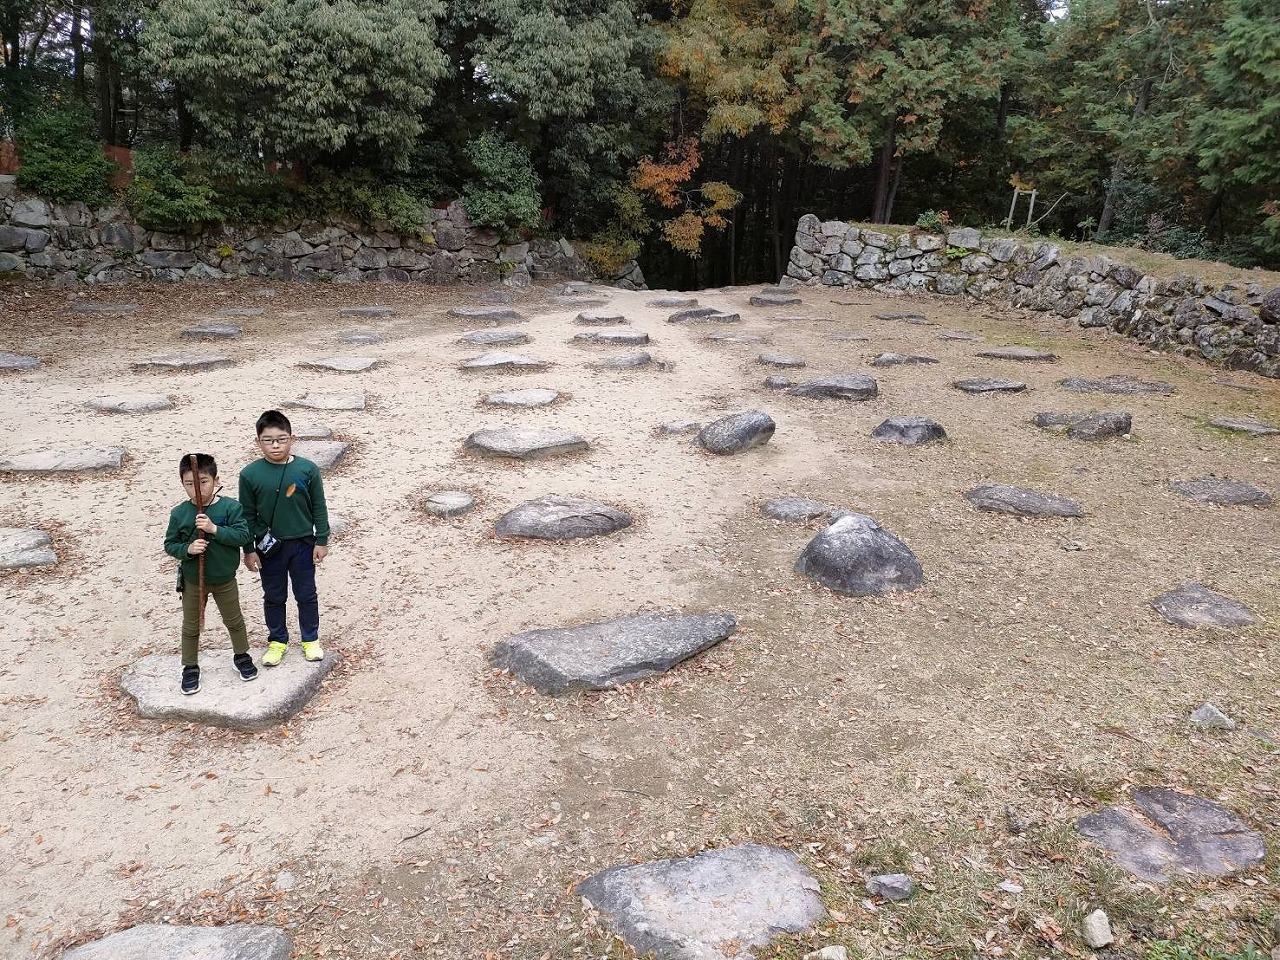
column 694, row 132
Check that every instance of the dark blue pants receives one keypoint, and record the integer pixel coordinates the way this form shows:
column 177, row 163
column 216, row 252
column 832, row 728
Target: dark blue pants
column 295, row 562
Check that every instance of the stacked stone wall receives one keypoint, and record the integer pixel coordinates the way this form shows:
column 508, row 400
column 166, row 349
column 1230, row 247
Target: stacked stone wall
column 70, row 244
column 1234, row 324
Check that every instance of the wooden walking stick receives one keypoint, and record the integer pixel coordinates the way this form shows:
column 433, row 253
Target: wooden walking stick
column 195, row 478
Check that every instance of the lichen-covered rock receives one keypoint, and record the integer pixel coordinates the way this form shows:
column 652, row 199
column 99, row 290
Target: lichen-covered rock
column 737, row 432
column 989, row 385
column 1225, row 493
column 561, row 518
column 1193, row 605
column 856, row 557
column 1086, row 426
column 850, row 386
column 909, row 431
column 1020, row 502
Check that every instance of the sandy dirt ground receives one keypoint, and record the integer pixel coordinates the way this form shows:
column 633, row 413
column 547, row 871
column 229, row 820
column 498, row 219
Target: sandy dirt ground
column 424, row 805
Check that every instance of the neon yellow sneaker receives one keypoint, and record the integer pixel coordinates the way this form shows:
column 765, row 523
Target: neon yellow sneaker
column 274, row 654
column 312, row 650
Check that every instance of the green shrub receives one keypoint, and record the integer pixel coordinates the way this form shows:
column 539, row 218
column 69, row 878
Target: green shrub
column 61, row 157
column 171, row 190
column 361, row 195
column 504, row 191
column 934, row 221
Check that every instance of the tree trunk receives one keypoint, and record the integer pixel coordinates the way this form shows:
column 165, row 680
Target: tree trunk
column 186, row 122
column 77, row 55
column 106, row 112
column 1002, row 111
column 884, row 173
column 893, row 190
column 1107, row 216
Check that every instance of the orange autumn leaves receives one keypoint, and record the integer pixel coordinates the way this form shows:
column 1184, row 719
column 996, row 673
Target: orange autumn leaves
column 670, row 184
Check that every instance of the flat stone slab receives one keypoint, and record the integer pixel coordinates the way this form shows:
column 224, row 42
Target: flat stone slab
column 723, row 336
column 10, row 362
column 224, row 699
column 673, row 303
column 849, row 386
column 1225, row 493
column 490, row 315
column 525, row 399
column 1020, row 502
column 131, row 403
column 106, row 309
column 912, row 318
column 1024, row 354
column 778, row 383
column 849, row 337
column 1193, row 605
column 612, row 338
column 599, row 656
column 361, row 337
column 1086, row 426
column 600, row 318
column 64, row 461
column 524, row 443
column 501, row 360
column 961, row 336
column 989, row 385
column 855, row 556
column 213, row 331
column 240, row 312
column 578, row 300
column 1117, row 384
column 367, row 312
column 625, row 361
column 155, row 941
column 1254, row 428
column 21, row 548
column 774, row 300
column 312, row 431
column 1174, row 834
column 184, row 362
column 781, row 360
column 325, row 454
column 676, row 428
column 737, row 433
column 719, row 905
column 703, row 315
column 327, row 401
column 555, row 517
column 341, row 364
column 796, row 509
column 909, row 431
column 902, row 360
column 448, row 504
column 494, row 338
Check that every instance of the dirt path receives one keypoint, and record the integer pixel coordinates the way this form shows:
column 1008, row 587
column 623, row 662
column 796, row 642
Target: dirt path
column 422, row 803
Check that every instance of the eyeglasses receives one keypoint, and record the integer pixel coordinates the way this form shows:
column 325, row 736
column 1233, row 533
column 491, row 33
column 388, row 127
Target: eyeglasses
column 274, row 441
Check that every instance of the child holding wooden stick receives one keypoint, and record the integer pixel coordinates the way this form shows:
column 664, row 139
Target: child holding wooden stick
column 207, row 539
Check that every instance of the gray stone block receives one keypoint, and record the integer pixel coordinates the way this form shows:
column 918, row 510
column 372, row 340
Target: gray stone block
column 11, row 362
column 1020, row 502
column 524, row 443
column 737, row 433
column 74, row 460
column 184, row 362
column 555, row 517
column 1225, row 493
column 855, row 556
column 327, row 401
column 448, row 504
column 225, row 700
column 843, row 387
column 131, row 403
column 325, row 454
column 598, row 656
column 1024, row 354
column 21, row 548
column 1193, row 605
column 347, row 364
column 909, row 431
column 719, row 905
column 153, row 941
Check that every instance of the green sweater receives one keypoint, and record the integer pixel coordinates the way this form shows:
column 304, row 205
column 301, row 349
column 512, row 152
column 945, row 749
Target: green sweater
column 222, row 556
column 288, row 497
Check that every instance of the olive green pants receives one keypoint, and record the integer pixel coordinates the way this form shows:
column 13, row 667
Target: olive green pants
column 227, row 597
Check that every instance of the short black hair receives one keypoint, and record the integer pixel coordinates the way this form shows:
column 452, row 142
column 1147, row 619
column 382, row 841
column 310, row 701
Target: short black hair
column 274, row 418
column 205, row 463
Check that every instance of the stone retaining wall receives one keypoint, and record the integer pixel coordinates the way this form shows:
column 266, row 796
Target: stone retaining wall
column 1231, row 325
column 69, row 244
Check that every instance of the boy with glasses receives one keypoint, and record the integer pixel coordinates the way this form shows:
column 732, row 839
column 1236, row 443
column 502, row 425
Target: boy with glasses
column 283, row 500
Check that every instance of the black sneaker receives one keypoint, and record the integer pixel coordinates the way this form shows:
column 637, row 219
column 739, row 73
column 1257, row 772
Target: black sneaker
column 244, row 663
column 190, row 680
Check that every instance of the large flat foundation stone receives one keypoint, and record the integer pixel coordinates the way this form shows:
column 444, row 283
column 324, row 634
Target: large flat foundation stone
column 597, row 656
column 224, row 699
column 156, row 941
column 718, row 905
